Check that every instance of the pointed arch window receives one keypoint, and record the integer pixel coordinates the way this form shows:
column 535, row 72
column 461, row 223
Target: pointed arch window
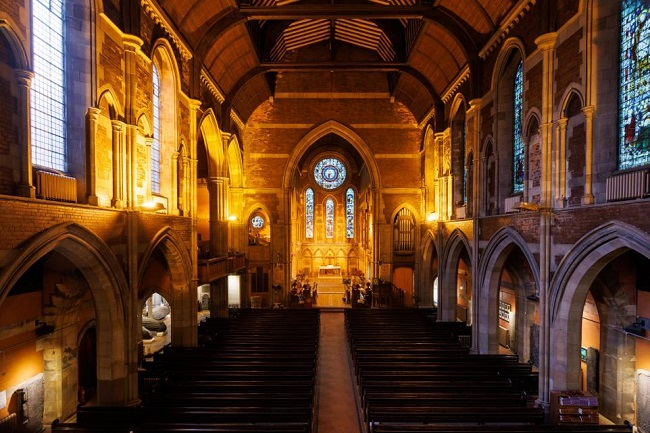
column 329, row 218
column 404, row 236
column 155, row 144
column 349, row 213
column 464, row 187
column 518, row 154
column 309, row 213
column 634, row 85
column 48, row 102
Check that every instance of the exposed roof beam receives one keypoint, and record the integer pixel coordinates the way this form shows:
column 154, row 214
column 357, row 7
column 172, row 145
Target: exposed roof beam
column 331, row 11
column 334, row 66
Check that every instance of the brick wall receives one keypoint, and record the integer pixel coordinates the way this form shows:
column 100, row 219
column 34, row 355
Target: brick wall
column 569, row 63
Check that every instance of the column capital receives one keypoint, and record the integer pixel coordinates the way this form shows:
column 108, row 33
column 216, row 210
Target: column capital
column 118, row 125
column 131, row 42
column 588, row 110
column 194, row 104
column 93, row 112
column 475, row 103
column 217, row 179
column 23, row 77
column 546, row 41
column 562, row 123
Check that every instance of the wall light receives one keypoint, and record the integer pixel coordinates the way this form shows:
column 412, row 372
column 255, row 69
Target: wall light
column 152, row 206
column 526, row 206
column 232, row 218
column 432, row 216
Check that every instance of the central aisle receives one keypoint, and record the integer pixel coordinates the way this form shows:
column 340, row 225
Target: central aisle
column 337, row 405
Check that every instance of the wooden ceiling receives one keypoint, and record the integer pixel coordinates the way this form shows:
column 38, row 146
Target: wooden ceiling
column 422, row 48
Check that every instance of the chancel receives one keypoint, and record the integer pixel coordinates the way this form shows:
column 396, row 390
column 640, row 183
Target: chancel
column 308, row 216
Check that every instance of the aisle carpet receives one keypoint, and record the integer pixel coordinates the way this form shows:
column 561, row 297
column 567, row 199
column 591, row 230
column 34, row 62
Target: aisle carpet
column 337, row 406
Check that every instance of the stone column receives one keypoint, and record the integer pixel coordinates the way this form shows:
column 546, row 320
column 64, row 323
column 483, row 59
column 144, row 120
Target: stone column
column 148, row 141
column 131, row 160
column 173, row 200
column 524, row 194
column 474, row 113
column 24, row 136
column 118, row 164
column 546, row 44
column 589, row 154
column 474, row 133
column 497, row 188
column 92, row 115
column 560, row 162
column 132, row 48
column 218, row 216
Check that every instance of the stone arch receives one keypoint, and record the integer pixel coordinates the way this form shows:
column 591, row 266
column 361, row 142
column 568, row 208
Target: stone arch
column 173, row 248
column 107, row 95
column 16, row 42
column 416, row 215
column 456, row 244
column 103, row 272
column 427, row 138
column 163, row 53
column 165, row 136
column 235, row 163
column 510, row 179
column 429, row 254
column 568, row 291
column 574, row 90
column 212, row 137
column 457, row 122
column 507, row 48
column 457, row 104
column 145, row 128
column 492, row 263
column 532, row 118
column 320, row 131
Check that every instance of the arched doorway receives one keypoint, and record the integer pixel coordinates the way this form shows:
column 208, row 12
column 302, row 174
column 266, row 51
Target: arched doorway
column 611, row 263
column 70, row 281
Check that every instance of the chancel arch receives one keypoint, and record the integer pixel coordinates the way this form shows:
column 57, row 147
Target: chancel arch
column 330, row 176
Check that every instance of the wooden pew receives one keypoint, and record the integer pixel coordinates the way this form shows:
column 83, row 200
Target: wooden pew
column 503, row 428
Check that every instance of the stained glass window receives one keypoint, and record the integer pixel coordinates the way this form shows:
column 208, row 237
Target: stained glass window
column 155, row 145
column 329, row 173
column 518, row 162
column 329, row 218
column 47, row 89
column 349, row 213
column 634, row 84
column 464, row 192
column 309, row 213
column 257, row 222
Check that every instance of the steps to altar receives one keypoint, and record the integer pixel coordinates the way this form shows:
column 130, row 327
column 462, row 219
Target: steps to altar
column 331, row 291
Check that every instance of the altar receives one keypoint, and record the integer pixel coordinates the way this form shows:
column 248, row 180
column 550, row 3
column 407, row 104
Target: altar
column 329, row 270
